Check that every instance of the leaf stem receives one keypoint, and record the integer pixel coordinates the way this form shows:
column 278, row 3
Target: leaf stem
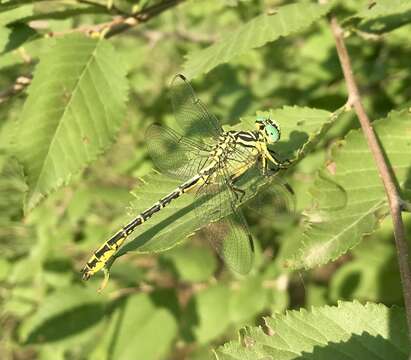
column 394, row 199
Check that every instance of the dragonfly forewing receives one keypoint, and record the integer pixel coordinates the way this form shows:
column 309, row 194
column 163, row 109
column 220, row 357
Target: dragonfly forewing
column 174, row 154
column 191, row 114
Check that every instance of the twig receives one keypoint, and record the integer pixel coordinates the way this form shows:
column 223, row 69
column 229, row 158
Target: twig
column 141, row 17
column 394, row 200
column 19, row 85
column 121, row 23
column 117, row 25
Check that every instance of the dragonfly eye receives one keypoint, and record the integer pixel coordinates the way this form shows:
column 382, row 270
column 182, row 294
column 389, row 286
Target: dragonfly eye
column 273, row 133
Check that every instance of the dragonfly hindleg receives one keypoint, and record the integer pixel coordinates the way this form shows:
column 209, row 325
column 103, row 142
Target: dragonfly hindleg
column 238, row 192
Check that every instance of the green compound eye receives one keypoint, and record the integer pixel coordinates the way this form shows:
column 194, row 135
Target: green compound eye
column 273, row 133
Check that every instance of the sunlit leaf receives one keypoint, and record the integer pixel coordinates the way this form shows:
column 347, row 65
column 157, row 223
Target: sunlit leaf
column 349, row 196
column 257, row 32
column 382, row 16
column 75, row 107
column 350, row 331
column 14, row 36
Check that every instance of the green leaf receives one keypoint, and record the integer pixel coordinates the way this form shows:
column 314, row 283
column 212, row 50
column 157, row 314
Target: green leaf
column 12, row 34
column 210, row 310
column 68, row 13
column 75, row 107
column 21, row 300
column 10, row 13
column 12, row 188
column 70, row 315
column 383, row 16
column 15, row 35
column 5, row 268
column 137, row 330
column 193, row 264
column 349, row 196
column 247, row 299
column 300, row 128
column 257, row 32
column 350, row 331
column 372, row 274
column 51, row 353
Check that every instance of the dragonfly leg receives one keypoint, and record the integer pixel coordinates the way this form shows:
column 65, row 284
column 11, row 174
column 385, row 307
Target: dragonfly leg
column 265, row 169
column 279, row 164
column 238, row 192
column 264, row 165
column 284, row 164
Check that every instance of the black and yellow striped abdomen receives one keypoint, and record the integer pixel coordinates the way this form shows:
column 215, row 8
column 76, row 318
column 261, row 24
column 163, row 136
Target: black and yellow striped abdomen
column 105, row 252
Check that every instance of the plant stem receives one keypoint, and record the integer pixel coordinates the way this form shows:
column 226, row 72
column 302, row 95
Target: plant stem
column 394, row 200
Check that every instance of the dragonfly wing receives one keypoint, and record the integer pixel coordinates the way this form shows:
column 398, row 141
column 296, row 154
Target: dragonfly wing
column 227, row 229
column 175, row 155
column 278, row 196
column 191, row 114
column 233, row 242
column 273, row 195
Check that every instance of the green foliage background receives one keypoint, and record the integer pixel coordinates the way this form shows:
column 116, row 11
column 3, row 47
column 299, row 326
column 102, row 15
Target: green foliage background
column 74, row 167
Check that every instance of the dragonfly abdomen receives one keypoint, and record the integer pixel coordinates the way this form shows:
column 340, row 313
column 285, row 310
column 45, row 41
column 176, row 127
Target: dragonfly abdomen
column 104, row 253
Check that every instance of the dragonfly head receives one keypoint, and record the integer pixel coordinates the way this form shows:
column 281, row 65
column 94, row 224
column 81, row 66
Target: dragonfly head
column 269, row 130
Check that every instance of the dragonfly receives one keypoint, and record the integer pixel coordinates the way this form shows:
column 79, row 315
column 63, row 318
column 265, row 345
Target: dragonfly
column 210, row 162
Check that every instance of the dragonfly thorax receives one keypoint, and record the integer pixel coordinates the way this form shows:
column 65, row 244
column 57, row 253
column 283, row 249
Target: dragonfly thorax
column 230, row 142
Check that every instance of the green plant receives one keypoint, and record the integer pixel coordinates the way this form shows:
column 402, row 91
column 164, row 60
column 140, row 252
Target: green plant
column 81, row 82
